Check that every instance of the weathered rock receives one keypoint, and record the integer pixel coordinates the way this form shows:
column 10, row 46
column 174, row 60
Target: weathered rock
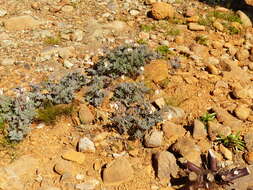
column 248, row 138
column 8, row 61
column 117, row 172
column 173, row 131
column 161, row 10
column 196, row 27
column 249, row 2
column 188, row 149
column 218, row 26
column 157, row 70
column 67, row 9
column 194, row 18
column 190, row 12
column 226, row 152
column 248, row 156
column 242, row 112
column 200, row 50
column 63, row 167
column 242, row 54
column 86, row 145
column 160, row 102
column 68, row 64
column 2, row 12
column 199, row 130
column 214, row 129
column 153, row 139
column 245, row 19
column 49, row 188
column 171, row 112
column 89, row 185
column 226, row 119
column 212, row 69
column 165, row 165
column 66, row 52
column 77, row 35
column 85, row 115
column 21, row 23
column 15, row 175
column 74, row 156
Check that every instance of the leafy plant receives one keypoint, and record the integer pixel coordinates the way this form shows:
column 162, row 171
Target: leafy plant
column 53, row 40
column 173, row 32
column 203, row 40
column 124, row 60
column 208, row 117
column 233, row 141
column 233, row 30
column 147, row 28
column 163, row 50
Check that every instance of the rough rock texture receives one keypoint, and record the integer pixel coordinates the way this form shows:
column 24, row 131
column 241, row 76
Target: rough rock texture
column 173, row 131
column 245, row 19
column 85, row 115
column 117, row 172
column 165, row 165
column 153, row 139
column 74, row 156
column 199, row 130
column 161, row 10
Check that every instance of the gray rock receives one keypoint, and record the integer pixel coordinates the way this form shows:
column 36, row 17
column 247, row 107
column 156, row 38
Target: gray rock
column 199, row 130
column 165, row 165
column 153, row 139
column 171, row 112
column 188, row 149
column 118, row 171
column 86, row 145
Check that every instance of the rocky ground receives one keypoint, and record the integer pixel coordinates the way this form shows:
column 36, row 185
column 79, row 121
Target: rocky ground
column 203, row 77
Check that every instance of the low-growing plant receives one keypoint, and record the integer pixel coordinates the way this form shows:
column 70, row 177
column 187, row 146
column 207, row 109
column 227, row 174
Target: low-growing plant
column 230, row 17
column 56, row 40
column 163, row 50
column 50, row 113
column 147, row 27
column 142, row 42
column 234, row 141
column 202, row 40
column 173, row 32
column 233, row 30
column 208, row 117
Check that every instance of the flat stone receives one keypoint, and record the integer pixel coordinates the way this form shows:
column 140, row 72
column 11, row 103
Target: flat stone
column 63, row 167
column 88, row 185
column 74, row 156
column 21, row 23
column 67, row 9
column 153, row 139
column 165, row 165
column 161, row 10
column 196, row 27
column 85, row 115
column 188, row 149
column 173, row 131
column 156, row 71
column 66, row 52
column 8, row 61
column 118, row 172
column 199, row 130
column 214, row 129
column 86, row 145
column 49, row 188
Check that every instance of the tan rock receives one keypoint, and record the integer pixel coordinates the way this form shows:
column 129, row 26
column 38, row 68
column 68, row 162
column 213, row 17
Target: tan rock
column 242, row 54
column 214, row 129
column 118, row 172
column 218, row 26
column 249, row 2
column 63, row 167
column 74, row 156
column 226, row 152
column 161, row 10
column 242, row 112
column 21, row 23
column 193, row 19
column 196, row 27
column 156, row 71
column 172, row 130
column 248, row 156
column 245, row 19
column 199, row 130
column 85, row 115
column 67, row 9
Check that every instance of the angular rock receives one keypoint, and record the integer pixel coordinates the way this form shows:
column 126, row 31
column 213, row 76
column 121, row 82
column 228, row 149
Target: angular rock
column 165, row 165
column 196, row 27
column 160, row 102
column 63, row 167
column 242, row 112
column 242, row 54
column 85, row 115
column 218, row 26
column 21, row 23
column 118, row 172
column 199, row 130
column 161, row 10
column 74, row 156
column 86, row 145
column 248, row 138
column 66, row 52
column 244, row 18
column 171, row 112
column 173, row 131
column 215, row 129
column 226, row 152
column 248, row 156
column 153, row 139
column 157, row 70
column 188, row 149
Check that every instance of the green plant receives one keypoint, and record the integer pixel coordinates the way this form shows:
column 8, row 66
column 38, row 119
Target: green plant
column 50, row 113
column 233, row 30
column 205, row 21
column 203, row 40
column 163, row 50
column 142, row 42
column 233, row 141
column 208, row 117
column 173, row 32
column 147, row 28
column 230, row 17
column 56, row 40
